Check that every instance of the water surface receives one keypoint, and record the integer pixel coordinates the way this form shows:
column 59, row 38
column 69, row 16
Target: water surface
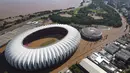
column 17, row 7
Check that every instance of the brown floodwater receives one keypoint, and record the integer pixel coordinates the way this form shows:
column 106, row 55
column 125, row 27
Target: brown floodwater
column 21, row 7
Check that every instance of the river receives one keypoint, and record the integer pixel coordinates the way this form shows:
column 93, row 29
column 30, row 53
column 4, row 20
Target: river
column 22, row 7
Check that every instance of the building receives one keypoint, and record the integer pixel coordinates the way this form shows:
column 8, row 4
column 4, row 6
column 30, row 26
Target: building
column 121, row 41
column 122, row 59
column 23, row 57
column 98, row 58
column 106, row 54
column 103, row 60
column 91, row 67
column 110, row 68
column 123, row 55
column 112, row 49
column 91, row 33
column 128, row 47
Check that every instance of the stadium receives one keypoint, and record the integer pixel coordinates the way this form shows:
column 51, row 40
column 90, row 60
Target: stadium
column 58, row 43
column 91, row 33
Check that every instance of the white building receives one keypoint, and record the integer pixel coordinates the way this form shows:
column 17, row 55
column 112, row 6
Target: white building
column 91, row 67
column 22, row 57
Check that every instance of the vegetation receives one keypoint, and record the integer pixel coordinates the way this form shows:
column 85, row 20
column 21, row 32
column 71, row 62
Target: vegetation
column 1, row 19
column 126, row 71
column 80, row 16
column 59, row 19
column 5, row 71
column 76, row 11
column 42, row 13
column 75, row 69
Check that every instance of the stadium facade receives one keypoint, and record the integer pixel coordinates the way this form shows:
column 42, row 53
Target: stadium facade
column 25, row 58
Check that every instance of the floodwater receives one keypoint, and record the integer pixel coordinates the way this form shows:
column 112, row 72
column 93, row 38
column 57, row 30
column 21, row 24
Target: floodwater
column 21, row 7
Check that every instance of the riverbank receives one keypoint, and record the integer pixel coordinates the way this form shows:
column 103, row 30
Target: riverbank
column 15, row 20
column 11, row 8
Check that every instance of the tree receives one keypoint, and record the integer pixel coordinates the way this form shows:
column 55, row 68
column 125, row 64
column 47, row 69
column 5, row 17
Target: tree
column 21, row 16
column 59, row 19
column 1, row 19
column 4, row 24
column 75, row 69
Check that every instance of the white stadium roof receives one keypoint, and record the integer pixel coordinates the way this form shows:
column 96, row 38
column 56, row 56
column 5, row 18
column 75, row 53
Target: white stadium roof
column 22, row 57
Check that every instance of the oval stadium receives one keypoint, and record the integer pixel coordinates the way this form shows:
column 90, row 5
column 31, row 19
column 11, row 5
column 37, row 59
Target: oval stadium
column 42, row 47
column 91, row 33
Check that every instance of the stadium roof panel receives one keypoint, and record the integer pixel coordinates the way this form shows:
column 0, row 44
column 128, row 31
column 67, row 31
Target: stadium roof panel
column 26, row 58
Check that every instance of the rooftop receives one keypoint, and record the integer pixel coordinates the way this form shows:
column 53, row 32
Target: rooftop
column 106, row 54
column 111, row 48
column 91, row 67
column 108, row 67
column 128, row 47
column 97, row 58
column 91, row 31
column 123, row 55
column 121, row 41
